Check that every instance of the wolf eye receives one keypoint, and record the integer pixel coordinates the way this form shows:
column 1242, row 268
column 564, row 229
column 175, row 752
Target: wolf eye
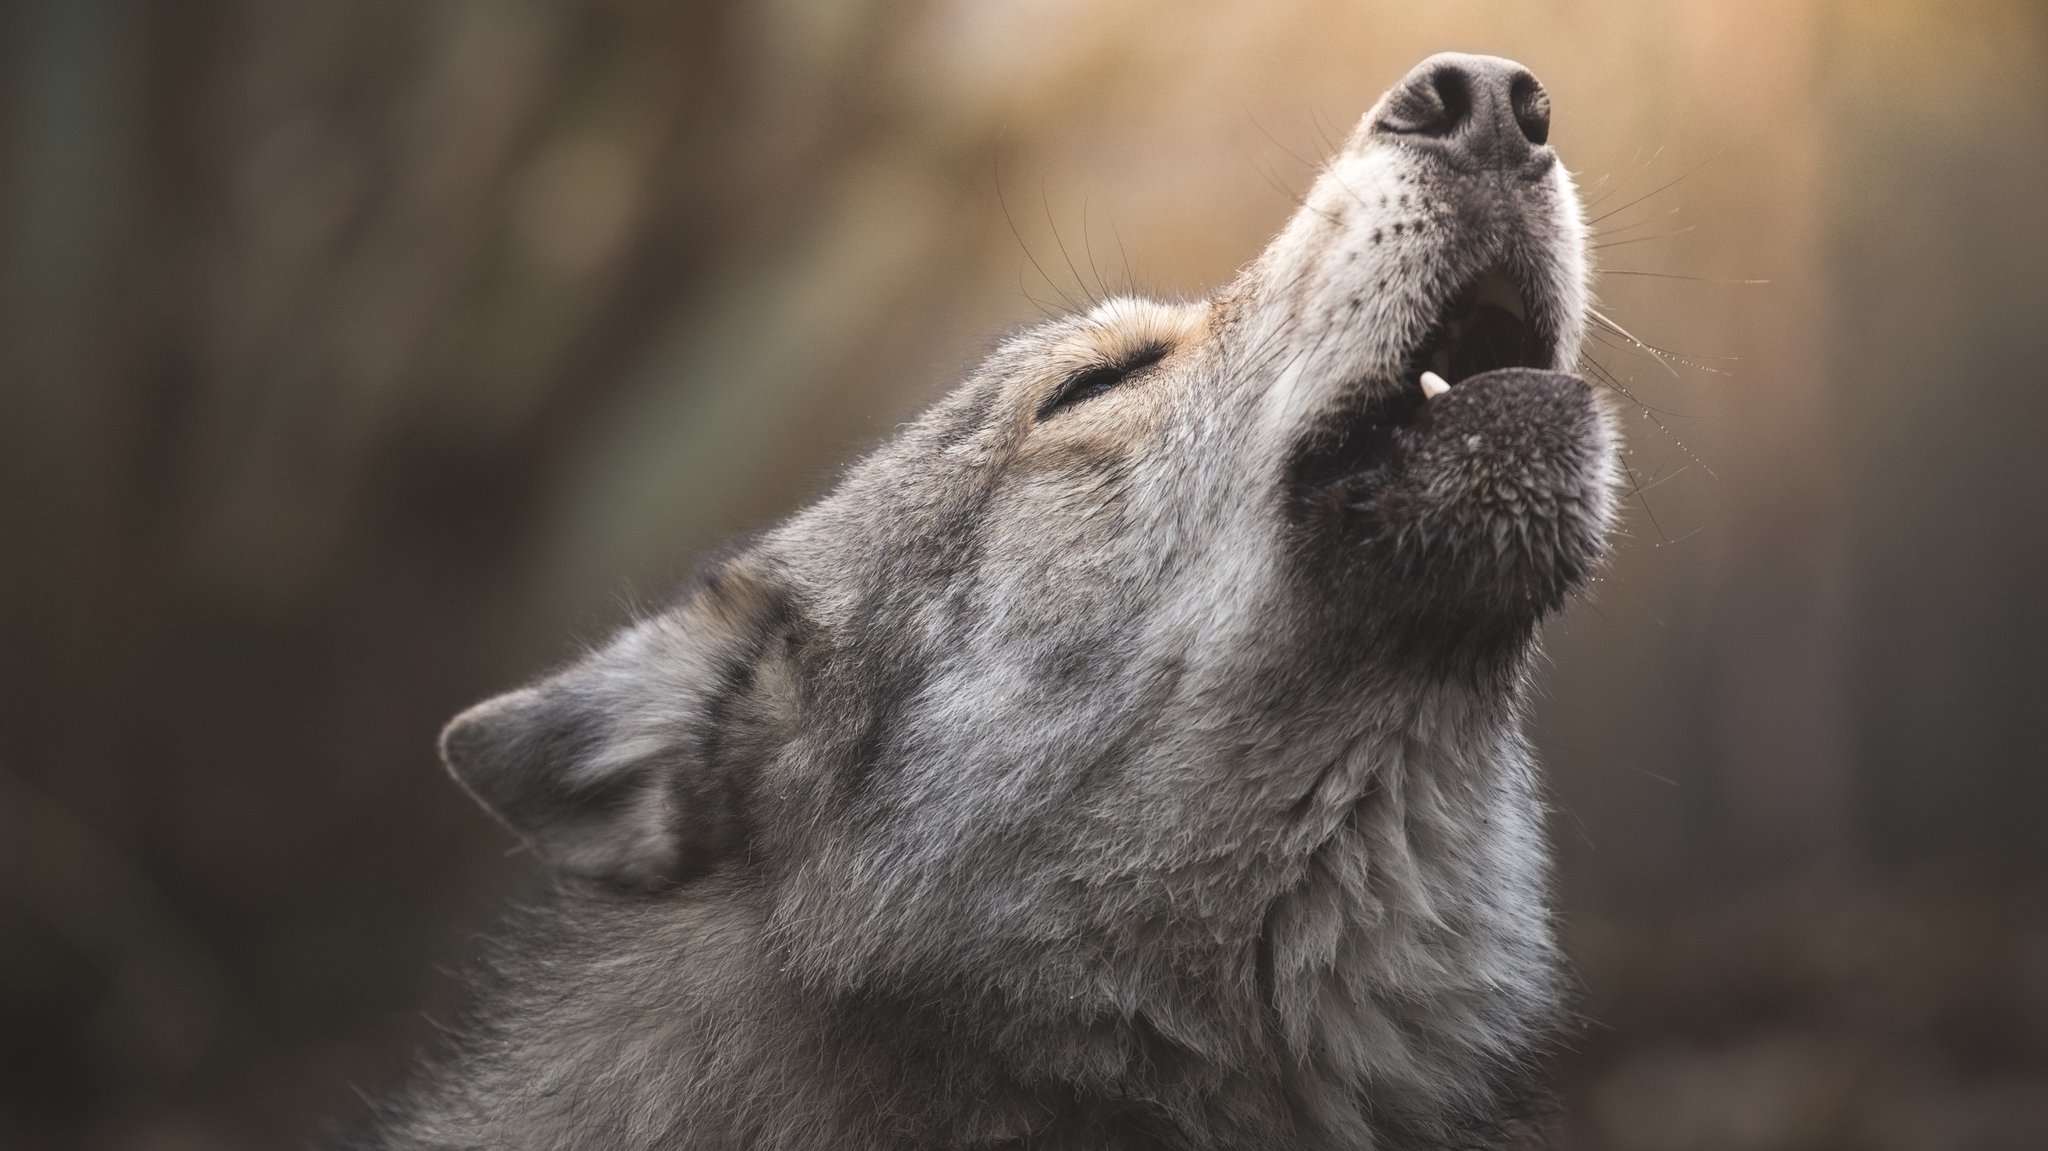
column 1089, row 383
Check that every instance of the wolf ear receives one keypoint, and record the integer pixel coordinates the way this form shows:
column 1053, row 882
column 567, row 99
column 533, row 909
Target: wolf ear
column 611, row 769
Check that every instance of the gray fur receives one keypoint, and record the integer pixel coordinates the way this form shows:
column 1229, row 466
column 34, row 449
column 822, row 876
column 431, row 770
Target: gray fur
column 1101, row 778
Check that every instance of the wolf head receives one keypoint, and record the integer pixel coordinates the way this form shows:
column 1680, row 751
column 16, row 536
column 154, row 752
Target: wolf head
column 1164, row 675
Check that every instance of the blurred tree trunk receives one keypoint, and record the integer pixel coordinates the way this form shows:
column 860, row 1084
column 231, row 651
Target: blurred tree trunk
column 1938, row 251
column 306, row 308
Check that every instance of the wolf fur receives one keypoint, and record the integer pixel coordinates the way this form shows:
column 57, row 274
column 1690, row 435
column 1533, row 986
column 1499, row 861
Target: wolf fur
column 1087, row 770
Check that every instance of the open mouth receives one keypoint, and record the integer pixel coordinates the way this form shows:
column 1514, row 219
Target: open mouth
column 1484, row 327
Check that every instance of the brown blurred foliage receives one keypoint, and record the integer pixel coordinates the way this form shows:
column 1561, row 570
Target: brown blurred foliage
column 358, row 358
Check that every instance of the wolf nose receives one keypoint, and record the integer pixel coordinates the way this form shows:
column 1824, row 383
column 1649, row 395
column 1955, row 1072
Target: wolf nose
column 1480, row 110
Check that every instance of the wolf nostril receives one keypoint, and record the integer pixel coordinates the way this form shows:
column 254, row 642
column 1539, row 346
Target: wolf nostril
column 1532, row 108
column 1431, row 103
column 1480, row 109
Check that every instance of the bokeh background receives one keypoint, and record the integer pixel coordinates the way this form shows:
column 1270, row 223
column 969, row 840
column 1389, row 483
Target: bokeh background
column 359, row 358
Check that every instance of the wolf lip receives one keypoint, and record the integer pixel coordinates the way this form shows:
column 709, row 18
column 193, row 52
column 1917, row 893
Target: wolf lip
column 1356, row 443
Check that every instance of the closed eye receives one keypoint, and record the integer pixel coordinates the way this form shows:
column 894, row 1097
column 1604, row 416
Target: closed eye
column 1090, row 382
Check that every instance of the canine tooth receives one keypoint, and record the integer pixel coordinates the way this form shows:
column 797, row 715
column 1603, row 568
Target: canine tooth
column 1433, row 385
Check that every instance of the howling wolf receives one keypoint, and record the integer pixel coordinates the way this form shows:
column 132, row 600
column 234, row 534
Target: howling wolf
column 1126, row 754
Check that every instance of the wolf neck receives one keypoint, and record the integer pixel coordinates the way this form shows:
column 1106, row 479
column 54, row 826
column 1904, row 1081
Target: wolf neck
column 1408, row 957
column 1424, row 856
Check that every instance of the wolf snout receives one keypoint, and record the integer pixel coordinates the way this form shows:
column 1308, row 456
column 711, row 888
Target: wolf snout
column 1476, row 111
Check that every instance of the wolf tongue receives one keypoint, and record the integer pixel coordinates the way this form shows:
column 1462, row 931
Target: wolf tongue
column 1492, row 337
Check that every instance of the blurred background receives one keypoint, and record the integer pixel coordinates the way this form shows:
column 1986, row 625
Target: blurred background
column 360, row 358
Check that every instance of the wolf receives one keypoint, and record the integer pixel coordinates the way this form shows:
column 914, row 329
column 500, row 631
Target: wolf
column 1127, row 754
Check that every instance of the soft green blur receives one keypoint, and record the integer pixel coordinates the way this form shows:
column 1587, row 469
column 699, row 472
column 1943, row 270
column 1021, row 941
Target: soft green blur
column 360, row 358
